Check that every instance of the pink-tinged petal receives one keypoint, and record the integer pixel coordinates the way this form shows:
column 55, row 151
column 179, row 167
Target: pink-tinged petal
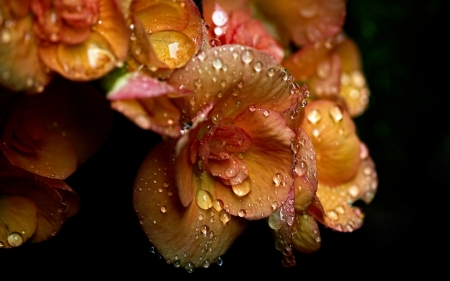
column 281, row 222
column 138, row 85
column 17, row 220
column 188, row 237
column 157, row 114
column 306, row 236
column 18, row 48
column 194, row 29
column 233, row 78
column 305, row 157
column 335, row 141
column 113, row 27
column 304, row 21
column 184, row 171
column 270, row 163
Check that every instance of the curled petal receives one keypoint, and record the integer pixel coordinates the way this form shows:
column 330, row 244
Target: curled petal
column 305, row 21
column 233, row 78
column 306, row 236
column 335, row 141
column 269, row 160
column 190, row 236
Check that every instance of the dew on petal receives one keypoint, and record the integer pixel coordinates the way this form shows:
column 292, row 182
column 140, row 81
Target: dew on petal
column 294, row 89
column 163, row 209
column 247, row 56
column 204, row 229
column 242, row 213
column 271, row 72
column 218, row 205
column 278, row 179
column 224, row 216
column 336, row 113
column 204, row 199
column 15, row 239
column 189, row 266
column 258, row 66
column 217, row 63
column 314, row 116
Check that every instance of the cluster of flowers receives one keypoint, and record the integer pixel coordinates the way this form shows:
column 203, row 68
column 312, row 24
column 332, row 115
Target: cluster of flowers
column 254, row 101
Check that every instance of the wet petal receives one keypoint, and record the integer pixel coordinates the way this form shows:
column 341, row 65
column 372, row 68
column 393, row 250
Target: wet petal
column 17, row 220
column 306, row 237
column 304, row 21
column 186, row 237
column 81, row 62
column 113, row 28
column 233, row 78
column 18, row 47
column 269, row 160
column 157, row 114
column 335, row 141
column 333, row 206
column 281, row 222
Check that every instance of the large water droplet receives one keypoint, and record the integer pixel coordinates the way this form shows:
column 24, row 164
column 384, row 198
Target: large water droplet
column 219, row 18
column 242, row 213
column 163, row 209
column 217, row 63
column 224, row 216
column 218, row 205
column 204, row 229
column 189, row 266
column 300, row 168
column 314, row 116
column 336, row 113
column 271, row 72
column 247, row 56
column 204, row 199
column 258, row 66
column 206, row 263
column 15, row 239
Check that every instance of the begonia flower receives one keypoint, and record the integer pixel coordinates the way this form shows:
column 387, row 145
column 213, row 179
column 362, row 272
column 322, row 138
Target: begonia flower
column 346, row 172
column 32, row 208
column 52, row 133
column 232, row 22
column 81, row 40
column 235, row 163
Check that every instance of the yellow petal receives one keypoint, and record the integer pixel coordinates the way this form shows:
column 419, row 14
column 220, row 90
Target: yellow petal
column 306, row 237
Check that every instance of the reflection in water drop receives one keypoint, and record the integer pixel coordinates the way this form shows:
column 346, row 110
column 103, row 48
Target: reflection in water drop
column 15, row 239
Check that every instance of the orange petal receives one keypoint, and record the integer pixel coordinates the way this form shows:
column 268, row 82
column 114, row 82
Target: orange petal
column 306, row 236
column 233, row 78
column 18, row 48
column 304, row 21
column 194, row 29
column 113, row 28
column 335, row 141
column 17, row 220
column 188, row 237
column 269, row 160
column 81, row 62
column 335, row 209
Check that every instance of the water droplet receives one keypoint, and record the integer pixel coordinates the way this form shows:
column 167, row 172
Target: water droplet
column 300, row 168
column 200, row 217
column 340, row 210
column 314, row 116
column 217, row 63
column 219, row 261
column 224, row 216
column 198, row 83
column 201, row 55
column 252, row 108
column 230, row 172
column 242, row 213
column 294, row 89
column 247, row 56
column 219, row 17
column 336, row 113
column 235, row 54
column 332, row 215
column 189, row 266
column 163, row 209
column 309, row 11
column 5, row 36
column 216, row 116
column 266, row 113
column 318, row 239
column 304, row 103
column 223, row 83
column 218, row 205
column 15, row 239
column 206, row 263
column 274, row 205
column 258, row 66
column 271, row 72
column 204, row 229
column 2, row 244
column 278, row 179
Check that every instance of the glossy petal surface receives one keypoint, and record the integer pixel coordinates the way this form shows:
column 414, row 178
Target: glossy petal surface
column 185, row 236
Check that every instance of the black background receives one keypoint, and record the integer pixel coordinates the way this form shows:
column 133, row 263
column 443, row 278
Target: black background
column 406, row 130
